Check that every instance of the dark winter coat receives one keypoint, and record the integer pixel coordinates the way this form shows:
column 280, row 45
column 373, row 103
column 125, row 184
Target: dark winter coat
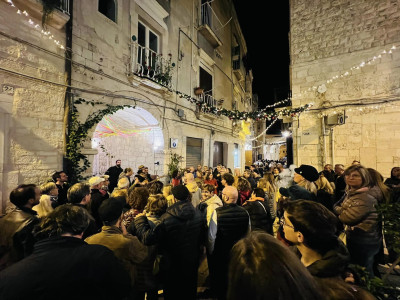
column 16, row 239
column 358, row 211
column 332, row 264
column 66, row 268
column 114, row 173
column 260, row 215
column 178, row 237
column 96, row 200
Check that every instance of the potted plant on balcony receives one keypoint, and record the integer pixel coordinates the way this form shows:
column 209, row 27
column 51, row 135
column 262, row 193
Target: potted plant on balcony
column 164, row 72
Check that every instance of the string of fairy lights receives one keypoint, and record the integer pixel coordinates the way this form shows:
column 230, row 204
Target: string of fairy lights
column 358, row 66
column 45, row 34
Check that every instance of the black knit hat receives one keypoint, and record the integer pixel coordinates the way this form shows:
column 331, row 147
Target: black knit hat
column 111, row 209
column 180, row 192
column 308, row 172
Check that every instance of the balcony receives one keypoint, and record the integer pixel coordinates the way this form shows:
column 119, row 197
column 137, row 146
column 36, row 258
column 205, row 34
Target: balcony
column 208, row 25
column 147, row 63
column 57, row 19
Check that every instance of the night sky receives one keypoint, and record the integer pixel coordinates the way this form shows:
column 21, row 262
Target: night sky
column 266, row 33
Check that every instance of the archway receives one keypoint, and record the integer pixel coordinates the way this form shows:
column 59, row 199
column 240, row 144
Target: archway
column 133, row 135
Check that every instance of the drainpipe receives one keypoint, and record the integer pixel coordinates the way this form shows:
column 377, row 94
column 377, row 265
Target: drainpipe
column 324, row 142
column 68, row 72
column 332, row 147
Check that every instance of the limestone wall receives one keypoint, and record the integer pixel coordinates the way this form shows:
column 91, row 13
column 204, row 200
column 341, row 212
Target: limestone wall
column 346, row 46
column 31, row 110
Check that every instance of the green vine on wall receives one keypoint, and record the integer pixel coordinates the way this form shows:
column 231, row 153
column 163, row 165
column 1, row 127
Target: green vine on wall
column 77, row 162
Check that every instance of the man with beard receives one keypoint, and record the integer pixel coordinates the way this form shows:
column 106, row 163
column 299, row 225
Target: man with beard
column 114, row 172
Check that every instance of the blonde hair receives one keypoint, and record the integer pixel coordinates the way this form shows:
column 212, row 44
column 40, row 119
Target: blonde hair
column 323, row 184
column 167, row 190
column 308, row 185
column 47, row 187
column 123, row 183
column 44, row 207
column 266, row 186
column 120, row 193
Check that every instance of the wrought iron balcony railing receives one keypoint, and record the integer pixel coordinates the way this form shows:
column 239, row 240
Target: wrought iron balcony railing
column 64, row 6
column 149, row 64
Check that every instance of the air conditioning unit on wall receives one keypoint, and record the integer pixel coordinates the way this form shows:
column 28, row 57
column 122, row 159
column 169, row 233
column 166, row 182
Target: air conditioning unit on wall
column 338, row 119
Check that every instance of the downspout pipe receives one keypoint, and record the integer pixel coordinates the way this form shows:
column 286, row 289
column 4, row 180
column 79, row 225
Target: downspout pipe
column 68, row 71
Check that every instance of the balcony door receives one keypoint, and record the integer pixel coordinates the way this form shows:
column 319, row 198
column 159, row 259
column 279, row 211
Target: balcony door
column 148, row 46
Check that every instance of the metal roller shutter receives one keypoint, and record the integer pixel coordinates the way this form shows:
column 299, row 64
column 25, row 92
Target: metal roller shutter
column 194, row 148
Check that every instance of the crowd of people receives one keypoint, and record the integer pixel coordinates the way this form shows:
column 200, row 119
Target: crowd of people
column 266, row 232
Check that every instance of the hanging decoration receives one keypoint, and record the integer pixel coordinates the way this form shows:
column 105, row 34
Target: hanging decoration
column 46, row 33
column 265, row 131
column 362, row 64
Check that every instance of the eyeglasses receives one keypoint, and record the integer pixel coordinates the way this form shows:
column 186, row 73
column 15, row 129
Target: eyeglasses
column 283, row 223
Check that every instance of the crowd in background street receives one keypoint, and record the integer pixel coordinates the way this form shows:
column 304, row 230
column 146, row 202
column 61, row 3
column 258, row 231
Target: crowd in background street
column 265, row 232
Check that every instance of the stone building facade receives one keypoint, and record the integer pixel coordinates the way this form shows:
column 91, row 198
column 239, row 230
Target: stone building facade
column 204, row 41
column 345, row 59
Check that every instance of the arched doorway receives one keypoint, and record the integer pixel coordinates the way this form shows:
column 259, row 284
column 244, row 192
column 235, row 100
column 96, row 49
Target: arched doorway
column 133, row 135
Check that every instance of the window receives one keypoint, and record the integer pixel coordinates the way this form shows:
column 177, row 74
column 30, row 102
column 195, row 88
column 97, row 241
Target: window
column 206, row 81
column 149, row 45
column 108, row 8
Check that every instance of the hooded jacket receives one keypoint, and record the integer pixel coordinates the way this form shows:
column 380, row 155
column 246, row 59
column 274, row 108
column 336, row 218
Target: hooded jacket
column 207, row 207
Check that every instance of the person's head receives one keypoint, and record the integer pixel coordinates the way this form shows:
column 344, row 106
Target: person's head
column 79, row 193
column 237, row 172
column 263, row 183
column 191, row 169
column 243, row 184
column 356, row 177
column 199, row 182
column 227, row 179
column 199, row 168
column 247, row 173
column 263, row 268
column 156, row 188
column 123, row 183
column 276, row 171
column 355, row 162
column 269, row 177
column 60, row 177
column 258, row 193
column 377, row 180
column 128, row 172
column 339, row 169
column 209, row 176
column 328, row 175
column 65, row 220
column 118, row 162
column 146, row 170
column 395, row 173
column 96, row 182
column 328, row 167
column 228, row 170
column 137, row 198
column 305, row 172
column 25, row 195
column 157, row 205
column 110, row 210
column 49, row 188
column 230, row 195
column 181, row 193
column 120, row 193
column 311, row 224
column 252, row 167
column 189, row 178
column 106, row 182
column 207, row 191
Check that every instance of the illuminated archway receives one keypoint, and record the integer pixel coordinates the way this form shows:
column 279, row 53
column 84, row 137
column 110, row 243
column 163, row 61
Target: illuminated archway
column 133, row 135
